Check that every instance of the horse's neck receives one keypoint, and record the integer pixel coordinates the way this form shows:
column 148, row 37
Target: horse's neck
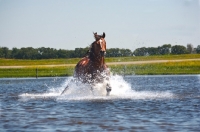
column 96, row 59
column 99, row 61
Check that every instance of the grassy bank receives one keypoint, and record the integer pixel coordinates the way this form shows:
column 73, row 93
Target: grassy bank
column 18, row 62
column 36, row 71
column 185, row 67
column 147, row 58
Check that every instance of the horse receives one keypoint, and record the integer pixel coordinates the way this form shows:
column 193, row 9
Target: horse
column 92, row 69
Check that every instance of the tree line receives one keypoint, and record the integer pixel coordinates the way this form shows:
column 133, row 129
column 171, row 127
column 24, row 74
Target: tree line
column 166, row 49
column 51, row 53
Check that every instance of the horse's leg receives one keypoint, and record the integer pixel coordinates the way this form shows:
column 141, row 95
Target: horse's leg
column 108, row 89
column 107, row 73
column 66, row 88
column 91, row 88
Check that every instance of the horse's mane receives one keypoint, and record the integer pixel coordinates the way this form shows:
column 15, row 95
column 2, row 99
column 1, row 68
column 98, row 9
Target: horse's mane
column 91, row 51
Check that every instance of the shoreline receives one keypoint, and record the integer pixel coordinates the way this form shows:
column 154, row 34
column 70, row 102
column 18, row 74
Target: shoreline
column 30, row 78
column 109, row 63
column 146, row 67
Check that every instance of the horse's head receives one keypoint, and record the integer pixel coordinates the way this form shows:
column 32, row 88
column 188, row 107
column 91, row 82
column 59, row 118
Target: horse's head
column 99, row 46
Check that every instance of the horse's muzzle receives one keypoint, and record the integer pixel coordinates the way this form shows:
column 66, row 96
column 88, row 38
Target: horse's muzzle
column 103, row 53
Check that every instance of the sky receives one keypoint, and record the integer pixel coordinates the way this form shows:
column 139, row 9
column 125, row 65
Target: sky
column 69, row 24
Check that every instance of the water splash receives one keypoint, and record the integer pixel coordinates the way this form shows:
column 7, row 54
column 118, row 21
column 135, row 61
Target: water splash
column 121, row 89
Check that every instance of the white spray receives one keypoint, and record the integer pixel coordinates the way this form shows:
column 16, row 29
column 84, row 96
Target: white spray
column 79, row 91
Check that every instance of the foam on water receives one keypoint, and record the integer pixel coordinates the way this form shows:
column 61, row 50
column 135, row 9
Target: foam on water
column 78, row 91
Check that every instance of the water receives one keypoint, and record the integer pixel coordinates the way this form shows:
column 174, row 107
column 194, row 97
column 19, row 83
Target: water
column 136, row 103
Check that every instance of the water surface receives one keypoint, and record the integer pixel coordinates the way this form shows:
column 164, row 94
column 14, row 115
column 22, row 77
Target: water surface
column 136, row 103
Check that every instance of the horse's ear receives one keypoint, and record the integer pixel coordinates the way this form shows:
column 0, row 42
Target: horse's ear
column 95, row 33
column 104, row 35
column 96, row 36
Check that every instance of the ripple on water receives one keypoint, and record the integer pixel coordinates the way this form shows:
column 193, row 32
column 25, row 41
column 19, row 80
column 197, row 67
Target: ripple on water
column 120, row 90
column 155, row 103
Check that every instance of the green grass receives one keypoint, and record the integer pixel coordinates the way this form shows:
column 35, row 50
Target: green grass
column 186, row 67
column 146, row 58
column 22, row 62
column 42, row 72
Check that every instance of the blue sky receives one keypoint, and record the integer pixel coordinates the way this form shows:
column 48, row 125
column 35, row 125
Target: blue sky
column 69, row 24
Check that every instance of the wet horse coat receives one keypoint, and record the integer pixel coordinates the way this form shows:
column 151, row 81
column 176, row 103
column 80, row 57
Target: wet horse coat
column 92, row 68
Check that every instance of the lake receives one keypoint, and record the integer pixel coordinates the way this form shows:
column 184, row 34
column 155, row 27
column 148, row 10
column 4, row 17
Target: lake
column 136, row 103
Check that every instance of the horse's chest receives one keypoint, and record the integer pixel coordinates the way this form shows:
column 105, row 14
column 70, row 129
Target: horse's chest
column 96, row 68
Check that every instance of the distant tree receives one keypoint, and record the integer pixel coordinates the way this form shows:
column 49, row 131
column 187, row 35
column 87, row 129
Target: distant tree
column 62, row 53
column 1, row 53
column 109, row 53
column 51, row 53
column 190, row 48
column 24, row 53
column 113, row 52
column 126, row 52
column 116, row 52
column 79, row 52
column 14, row 53
column 141, row 51
column 4, row 52
column 70, row 53
column 164, row 49
column 47, row 53
column 178, row 49
column 198, row 49
column 152, row 51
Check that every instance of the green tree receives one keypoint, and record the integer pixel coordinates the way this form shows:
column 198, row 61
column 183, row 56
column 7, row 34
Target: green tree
column 5, row 52
column 198, row 49
column 1, row 53
column 141, row 51
column 62, row 53
column 113, row 52
column 79, row 52
column 126, row 52
column 47, row 53
column 164, row 49
column 178, row 49
column 152, row 51
column 14, row 53
column 190, row 48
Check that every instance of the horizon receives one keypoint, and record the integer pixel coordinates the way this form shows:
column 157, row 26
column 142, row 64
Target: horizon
column 70, row 24
column 88, row 47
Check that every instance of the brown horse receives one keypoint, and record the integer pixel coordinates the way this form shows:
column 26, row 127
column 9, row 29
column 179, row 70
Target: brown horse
column 92, row 68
